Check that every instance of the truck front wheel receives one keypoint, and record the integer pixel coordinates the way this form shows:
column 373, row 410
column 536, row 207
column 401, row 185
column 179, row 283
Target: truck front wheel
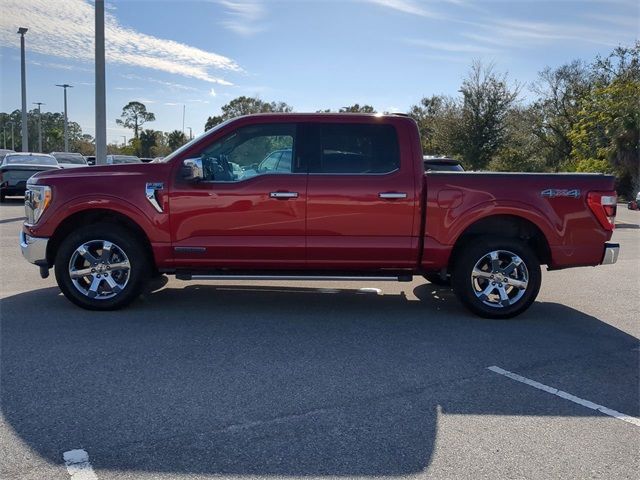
column 497, row 278
column 101, row 267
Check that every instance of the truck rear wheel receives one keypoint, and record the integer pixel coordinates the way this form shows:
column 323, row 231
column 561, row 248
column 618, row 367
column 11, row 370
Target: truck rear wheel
column 497, row 278
column 101, row 267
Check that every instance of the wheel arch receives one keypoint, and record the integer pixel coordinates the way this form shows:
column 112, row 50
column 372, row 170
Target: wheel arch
column 93, row 216
column 504, row 225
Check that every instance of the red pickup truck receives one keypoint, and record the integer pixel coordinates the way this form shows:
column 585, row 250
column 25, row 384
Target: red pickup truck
column 313, row 196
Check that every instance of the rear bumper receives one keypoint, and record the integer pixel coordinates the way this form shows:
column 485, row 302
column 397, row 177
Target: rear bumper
column 34, row 249
column 611, row 251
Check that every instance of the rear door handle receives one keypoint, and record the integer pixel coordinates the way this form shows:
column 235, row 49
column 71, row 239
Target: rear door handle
column 392, row 195
column 283, row 195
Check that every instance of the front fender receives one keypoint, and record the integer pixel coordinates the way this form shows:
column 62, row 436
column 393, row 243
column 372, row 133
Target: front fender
column 154, row 224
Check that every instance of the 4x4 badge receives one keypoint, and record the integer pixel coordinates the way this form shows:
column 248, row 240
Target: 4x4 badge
column 561, row 192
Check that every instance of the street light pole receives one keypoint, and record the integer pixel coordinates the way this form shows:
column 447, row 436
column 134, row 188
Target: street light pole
column 4, row 136
column 190, row 133
column 13, row 147
column 66, row 128
column 23, row 71
column 39, row 125
column 124, row 140
column 183, row 109
column 101, row 116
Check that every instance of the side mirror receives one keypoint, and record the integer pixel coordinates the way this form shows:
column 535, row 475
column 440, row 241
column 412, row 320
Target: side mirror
column 192, row 170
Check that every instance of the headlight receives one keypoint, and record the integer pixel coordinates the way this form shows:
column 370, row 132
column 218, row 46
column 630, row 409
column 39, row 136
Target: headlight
column 36, row 200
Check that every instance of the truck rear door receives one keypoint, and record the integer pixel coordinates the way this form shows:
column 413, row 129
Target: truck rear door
column 361, row 197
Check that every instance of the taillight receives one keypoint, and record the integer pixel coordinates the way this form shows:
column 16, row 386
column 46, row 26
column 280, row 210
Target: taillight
column 603, row 205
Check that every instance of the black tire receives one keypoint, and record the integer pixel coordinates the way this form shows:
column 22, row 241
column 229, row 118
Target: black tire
column 137, row 274
column 2, row 197
column 436, row 279
column 465, row 287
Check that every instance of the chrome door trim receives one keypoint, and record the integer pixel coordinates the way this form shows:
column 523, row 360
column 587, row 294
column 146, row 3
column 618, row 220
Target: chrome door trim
column 281, row 195
column 392, row 195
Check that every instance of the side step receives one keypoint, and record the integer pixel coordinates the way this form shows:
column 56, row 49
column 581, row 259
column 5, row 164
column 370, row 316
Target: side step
column 333, row 278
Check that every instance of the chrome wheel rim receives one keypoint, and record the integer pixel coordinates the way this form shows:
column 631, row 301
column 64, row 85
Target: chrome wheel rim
column 499, row 278
column 99, row 269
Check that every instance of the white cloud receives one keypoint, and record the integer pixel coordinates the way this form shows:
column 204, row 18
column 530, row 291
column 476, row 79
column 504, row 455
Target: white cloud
column 212, row 92
column 451, row 46
column 172, row 85
column 243, row 16
column 410, row 7
column 523, row 33
column 66, row 29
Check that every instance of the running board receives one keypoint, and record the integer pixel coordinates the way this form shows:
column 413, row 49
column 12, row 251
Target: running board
column 397, row 278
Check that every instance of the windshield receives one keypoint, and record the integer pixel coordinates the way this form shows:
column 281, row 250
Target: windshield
column 67, row 158
column 30, row 160
column 177, row 152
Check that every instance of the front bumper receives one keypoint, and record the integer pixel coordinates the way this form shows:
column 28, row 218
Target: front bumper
column 611, row 251
column 34, row 249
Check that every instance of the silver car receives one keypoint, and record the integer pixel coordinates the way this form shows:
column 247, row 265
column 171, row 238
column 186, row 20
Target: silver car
column 70, row 159
column 117, row 159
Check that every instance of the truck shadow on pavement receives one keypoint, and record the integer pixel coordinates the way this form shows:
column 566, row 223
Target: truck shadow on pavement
column 250, row 380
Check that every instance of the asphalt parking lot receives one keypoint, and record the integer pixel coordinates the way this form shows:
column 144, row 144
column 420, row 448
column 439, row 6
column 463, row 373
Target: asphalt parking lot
column 291, row 380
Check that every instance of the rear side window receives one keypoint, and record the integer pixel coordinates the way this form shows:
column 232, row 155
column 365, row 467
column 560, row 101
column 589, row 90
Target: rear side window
column 357, row 149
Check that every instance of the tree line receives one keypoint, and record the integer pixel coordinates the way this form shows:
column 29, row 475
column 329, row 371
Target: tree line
column 578, row 117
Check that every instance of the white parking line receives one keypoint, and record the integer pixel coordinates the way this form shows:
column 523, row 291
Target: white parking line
column 78, row 466
column 567, row 396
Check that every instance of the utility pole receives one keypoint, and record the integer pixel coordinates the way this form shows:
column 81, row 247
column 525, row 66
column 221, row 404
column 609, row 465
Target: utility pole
column 66, row 127
column 124, row 140
column 39, row 125
column 190, row 133
column 23, row 71
column 101, row 115
column 183, row 109
column 4, row 136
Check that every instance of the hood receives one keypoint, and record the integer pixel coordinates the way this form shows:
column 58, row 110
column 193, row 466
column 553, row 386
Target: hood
column 102, row 172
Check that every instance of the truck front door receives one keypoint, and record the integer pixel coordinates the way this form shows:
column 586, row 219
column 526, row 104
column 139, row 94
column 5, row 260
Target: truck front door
column 249, row 212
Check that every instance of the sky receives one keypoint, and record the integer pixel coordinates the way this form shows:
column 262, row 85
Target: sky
column 312, row 54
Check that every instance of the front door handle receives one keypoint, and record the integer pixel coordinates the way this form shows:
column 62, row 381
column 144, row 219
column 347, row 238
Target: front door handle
column 283, row 195
column 392, row 195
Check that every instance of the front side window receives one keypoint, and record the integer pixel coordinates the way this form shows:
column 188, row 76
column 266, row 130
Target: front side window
column 357, row 149
column 249, row 152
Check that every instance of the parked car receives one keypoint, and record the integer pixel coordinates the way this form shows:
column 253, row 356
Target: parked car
column 4, row 152
column 70, row 159
column 634, row 204
column 120, row 159
column 17, row 168
column 276, row 161
column 354, row 204
column 441, row 164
